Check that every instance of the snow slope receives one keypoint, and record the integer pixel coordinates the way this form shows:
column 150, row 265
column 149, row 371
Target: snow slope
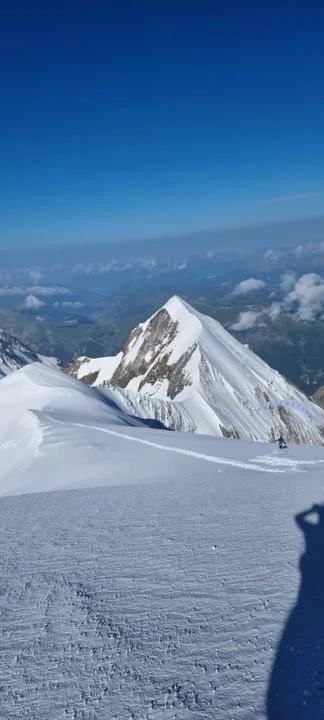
column 50, row 420
column 165, row 592
column 185, row 369
column 39, row 405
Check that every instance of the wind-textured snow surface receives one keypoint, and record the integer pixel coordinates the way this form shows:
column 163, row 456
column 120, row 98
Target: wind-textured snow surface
column 162, row 599
column 185, row 369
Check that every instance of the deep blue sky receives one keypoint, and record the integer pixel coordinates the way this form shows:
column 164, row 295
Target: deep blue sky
column 140, row 118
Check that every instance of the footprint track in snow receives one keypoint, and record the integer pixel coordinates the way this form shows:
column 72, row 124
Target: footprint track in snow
column 182, row 451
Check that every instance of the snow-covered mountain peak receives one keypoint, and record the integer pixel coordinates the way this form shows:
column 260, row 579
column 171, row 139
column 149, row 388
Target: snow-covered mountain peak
column 160, row 356
column 179, row 309
column 185, row 369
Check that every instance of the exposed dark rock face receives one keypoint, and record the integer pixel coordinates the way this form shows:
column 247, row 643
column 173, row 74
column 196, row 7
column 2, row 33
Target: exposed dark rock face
column 318, row 396
column 175, row 373
column 75, row 367
column 91, row 378
column 152, row 359
column 229, row 432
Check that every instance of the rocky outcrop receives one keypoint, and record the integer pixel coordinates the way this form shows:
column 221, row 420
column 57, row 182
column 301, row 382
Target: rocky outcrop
column 151, row 362
column 318, row 396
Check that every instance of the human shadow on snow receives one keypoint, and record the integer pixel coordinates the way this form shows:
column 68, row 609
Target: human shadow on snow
column 296, row 687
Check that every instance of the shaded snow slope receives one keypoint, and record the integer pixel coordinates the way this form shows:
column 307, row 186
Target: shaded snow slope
column 15, row 355
column 185, row 369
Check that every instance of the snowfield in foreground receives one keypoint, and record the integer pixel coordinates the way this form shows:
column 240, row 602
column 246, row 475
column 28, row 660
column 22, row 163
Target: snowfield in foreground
column 171, row 591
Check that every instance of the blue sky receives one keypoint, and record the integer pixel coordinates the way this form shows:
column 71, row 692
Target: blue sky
column 142, row 118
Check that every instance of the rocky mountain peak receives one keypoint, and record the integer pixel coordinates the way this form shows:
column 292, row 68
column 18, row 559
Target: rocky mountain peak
column 185, row 369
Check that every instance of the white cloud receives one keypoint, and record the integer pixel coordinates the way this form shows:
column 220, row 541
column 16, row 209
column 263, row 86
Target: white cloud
column 288, row 280
column 111, row 266
column 33, row 303
column 48, row 290
column 6, row 291
column 180, row 266
column 107, row 267
column 307, row 295
column 148, row 263
column 34, row 290
column 271, row 255
column 35, row 276
column 127, row 266
column 300, row 250
column 13, row 290
column 274, row 311
column 69, row 304
column 85, row 269
column 246, row 286
column 246, row 320
column 305, row 300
